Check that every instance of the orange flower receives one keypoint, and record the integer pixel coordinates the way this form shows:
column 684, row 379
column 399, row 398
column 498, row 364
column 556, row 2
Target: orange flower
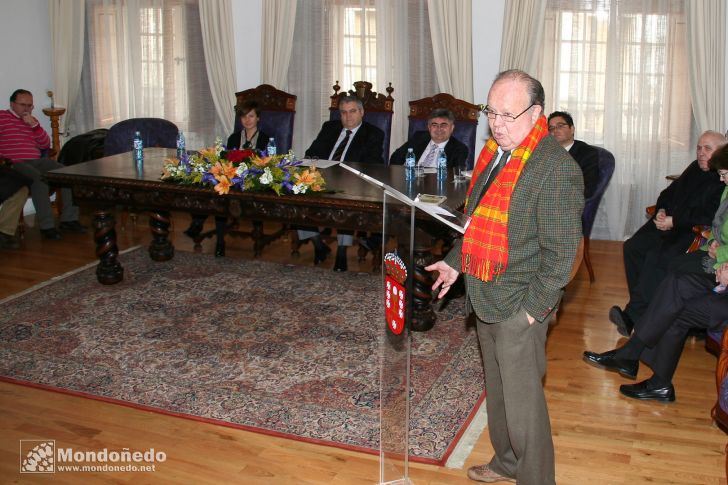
column 223, row 186
column 217, row 169
column 261, row 162
column 228, row 170
column 209, row 152
column 307, row 177
column 171, row 161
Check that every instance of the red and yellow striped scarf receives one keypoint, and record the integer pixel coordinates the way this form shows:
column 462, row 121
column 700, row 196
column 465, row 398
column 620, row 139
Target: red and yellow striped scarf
column 485, row 243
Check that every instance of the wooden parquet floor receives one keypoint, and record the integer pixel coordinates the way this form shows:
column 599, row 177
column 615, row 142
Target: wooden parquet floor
column 600, row 437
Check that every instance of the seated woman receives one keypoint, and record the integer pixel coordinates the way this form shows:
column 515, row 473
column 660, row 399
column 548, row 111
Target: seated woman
column 249, row 138
column 683, row 301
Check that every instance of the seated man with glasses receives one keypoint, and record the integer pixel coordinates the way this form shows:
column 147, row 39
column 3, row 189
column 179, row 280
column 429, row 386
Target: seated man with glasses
column 427, row 144
column 21, row 140
column 561, row 127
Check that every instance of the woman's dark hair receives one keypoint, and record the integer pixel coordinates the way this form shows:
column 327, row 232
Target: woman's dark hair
column 719, row 159
column 247, row 107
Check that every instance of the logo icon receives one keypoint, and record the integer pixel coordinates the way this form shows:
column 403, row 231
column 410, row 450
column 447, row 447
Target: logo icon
column 394, row 292
column 37, row 456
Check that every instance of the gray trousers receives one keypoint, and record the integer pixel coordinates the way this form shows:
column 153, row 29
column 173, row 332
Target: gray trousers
column 34, row 169
column 514, row 358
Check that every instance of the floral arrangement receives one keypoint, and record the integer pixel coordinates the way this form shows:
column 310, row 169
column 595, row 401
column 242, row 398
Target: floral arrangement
column 244, row 170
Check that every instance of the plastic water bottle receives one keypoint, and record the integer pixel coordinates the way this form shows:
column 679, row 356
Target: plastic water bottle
column 409, row 165
column 271, row 148
column 138, row 150
column 441, row 165
column 180, row 145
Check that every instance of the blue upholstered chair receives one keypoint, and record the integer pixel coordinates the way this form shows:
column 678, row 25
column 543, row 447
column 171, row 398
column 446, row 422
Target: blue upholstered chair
column 378, row 108
column 277, row 113
column 466, row 119
column 591, row 205
column 156, row 132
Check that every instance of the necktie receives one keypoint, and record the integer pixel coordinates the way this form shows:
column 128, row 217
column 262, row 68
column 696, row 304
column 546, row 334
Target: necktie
column 429, row 160
column 340, row 149
column 481, row 188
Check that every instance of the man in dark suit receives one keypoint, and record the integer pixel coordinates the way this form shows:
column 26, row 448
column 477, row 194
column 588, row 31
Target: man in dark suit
column 426, row 144
column 561, row 127
column 682, row 302
column 357, row 140
column 350, row 139
column 525, row 202
column 690, row 200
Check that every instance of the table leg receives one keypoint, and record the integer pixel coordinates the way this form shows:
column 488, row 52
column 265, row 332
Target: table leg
column 109, row 271
column 160, row 249
column 424, row 316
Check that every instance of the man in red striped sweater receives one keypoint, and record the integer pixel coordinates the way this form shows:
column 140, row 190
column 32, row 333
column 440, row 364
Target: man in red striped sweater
column 21, row 140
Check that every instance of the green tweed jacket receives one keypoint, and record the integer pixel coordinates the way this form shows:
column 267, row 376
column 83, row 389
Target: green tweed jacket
column 544, row 229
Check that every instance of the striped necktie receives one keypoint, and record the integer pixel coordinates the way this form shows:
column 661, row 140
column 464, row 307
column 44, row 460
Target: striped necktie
column 340, row 149
column 429, row 160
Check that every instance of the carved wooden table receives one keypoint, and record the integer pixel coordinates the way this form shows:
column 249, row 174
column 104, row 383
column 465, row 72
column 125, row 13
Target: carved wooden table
column 354, row 204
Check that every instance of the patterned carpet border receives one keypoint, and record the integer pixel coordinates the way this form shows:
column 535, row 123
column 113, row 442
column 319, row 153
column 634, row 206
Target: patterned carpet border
column 246, row 344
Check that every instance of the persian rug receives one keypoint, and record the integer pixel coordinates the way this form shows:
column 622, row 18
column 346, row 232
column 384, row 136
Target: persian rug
column 286, row 350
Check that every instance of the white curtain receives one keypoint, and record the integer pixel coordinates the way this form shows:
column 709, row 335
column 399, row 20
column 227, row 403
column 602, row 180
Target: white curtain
column 279, row 19
column 620, row 68
column 522, row 34
column 451, row 28
column 67, row 28
column 706, row 48
column 145, row 58
column 395, row 46
column 217, row 41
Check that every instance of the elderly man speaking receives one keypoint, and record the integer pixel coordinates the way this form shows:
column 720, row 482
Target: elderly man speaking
column 525, row 202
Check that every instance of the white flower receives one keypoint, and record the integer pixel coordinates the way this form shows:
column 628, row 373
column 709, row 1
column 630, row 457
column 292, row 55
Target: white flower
column 267, row 177
column 299, row 189
column 241, row 168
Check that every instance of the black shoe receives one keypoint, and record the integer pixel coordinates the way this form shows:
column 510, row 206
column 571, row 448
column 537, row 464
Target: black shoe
column 643, row 390
column 220, row 249
column 340, row 263
column 608, row 361
column 8, row 242
column 72, row 226
column 624, row 323
column 51, row 234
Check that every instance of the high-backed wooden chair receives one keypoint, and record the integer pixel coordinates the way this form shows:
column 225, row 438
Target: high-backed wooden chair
column 378, row 108
column 466, row 119
column 277, row 113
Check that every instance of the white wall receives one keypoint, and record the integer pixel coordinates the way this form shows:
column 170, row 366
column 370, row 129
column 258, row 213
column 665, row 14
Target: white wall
column 486, row 56
column 25, row 53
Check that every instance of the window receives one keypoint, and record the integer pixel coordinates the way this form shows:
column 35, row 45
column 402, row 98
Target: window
column 145, row 59
column 620, row 68
column 358, row 50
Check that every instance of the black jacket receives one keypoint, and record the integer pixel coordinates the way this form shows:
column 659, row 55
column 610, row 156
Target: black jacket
column 233, row 142
column 365, row 147
column 587, row 157
column 692, row 199
column 455, row 150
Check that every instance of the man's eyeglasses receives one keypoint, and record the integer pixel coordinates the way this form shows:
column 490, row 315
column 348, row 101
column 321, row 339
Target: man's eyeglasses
column 722, row 173
column 24, row 105
column 508, row 118
column 557, row 126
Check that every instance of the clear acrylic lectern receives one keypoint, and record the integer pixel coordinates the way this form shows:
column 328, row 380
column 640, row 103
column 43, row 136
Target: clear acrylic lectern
column 402, row 216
